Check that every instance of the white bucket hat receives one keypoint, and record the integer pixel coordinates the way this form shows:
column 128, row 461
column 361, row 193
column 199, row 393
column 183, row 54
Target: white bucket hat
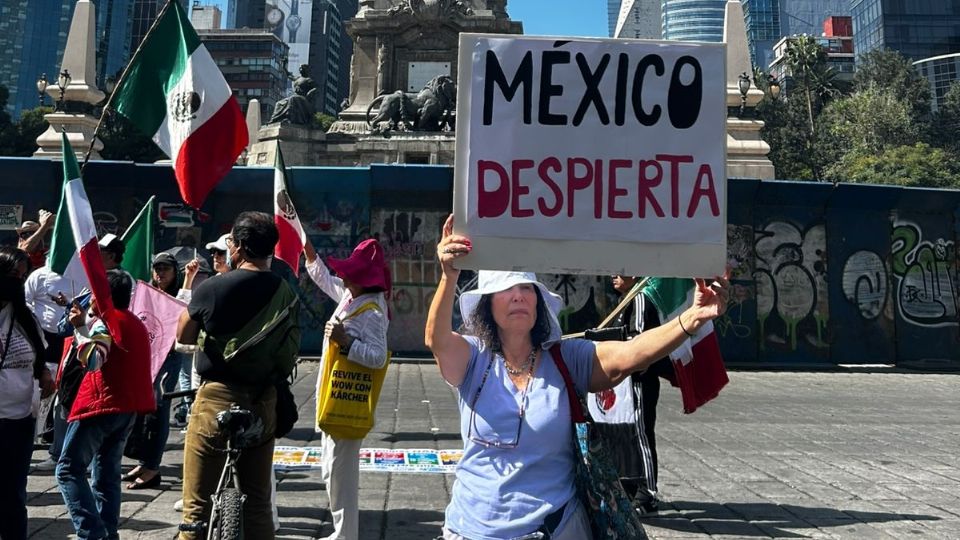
column 493, row 281
column 220, row 244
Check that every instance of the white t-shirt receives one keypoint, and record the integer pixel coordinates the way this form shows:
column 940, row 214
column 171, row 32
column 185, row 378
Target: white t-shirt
column 40, row 288
column 17, row 385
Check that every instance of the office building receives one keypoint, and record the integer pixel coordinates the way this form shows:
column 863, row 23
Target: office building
column 252, row 64
column 836, row 40
column 769, row 20
column 916, row 29
column 613, row 15
column 245, row 13
column 940, row 72
column 144, row 13
column 205, row 17
column 33, row 34
column 639, row 19
column 693, row 20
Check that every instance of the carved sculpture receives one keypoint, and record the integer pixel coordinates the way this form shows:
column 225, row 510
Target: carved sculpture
column 435, row 8
column 431, row 109
column 299, row 107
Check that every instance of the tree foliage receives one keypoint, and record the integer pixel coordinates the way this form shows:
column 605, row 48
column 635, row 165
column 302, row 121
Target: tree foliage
column 890, row 70
column 916, row 165
column 867, row 122
column 122, row 141
column 323, row 121
column 31, row 125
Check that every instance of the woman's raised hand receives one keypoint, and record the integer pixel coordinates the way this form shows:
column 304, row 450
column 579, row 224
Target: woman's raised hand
column 450, row 247
column 710, row 300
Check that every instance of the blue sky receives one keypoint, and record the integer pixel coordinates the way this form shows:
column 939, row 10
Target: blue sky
column 546, row 17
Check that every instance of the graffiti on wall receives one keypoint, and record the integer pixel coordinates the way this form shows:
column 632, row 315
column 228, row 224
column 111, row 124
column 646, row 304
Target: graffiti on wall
column 865, row 283
column 925, row 273
column 790, row 274
column 920, row 281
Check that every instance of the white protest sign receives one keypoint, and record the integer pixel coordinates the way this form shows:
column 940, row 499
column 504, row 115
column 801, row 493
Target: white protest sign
column 591, row 156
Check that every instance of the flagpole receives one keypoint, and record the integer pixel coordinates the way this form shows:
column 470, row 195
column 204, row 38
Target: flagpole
column 123, row 77
column 145, row 208
column 624, row 302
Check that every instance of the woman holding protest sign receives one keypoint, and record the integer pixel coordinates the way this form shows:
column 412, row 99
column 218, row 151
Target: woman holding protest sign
column 516, row 477
column 357, row 332
column 148, row 438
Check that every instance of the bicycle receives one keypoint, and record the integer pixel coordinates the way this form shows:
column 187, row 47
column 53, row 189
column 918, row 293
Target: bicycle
column 226, row 515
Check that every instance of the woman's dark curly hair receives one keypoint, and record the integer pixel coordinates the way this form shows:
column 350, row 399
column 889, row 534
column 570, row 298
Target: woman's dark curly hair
column 482, row 325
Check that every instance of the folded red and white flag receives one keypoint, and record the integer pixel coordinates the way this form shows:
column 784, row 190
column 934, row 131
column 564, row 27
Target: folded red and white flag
column 174, row 92
column 74, row 251
column 292, row 237
column 700, row 373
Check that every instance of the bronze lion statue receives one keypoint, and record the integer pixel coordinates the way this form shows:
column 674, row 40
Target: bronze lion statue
column 431, row 109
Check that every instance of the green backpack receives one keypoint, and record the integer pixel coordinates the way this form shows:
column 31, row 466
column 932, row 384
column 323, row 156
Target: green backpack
column 267, row 347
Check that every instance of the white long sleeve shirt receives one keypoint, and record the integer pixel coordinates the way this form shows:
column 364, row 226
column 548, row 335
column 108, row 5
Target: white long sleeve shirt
column 369, row 328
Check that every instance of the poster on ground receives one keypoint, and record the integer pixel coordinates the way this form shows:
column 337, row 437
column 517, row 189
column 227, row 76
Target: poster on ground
column 405, row 460
column 591, row 156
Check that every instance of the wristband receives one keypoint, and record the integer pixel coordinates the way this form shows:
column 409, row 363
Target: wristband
column 680, row 322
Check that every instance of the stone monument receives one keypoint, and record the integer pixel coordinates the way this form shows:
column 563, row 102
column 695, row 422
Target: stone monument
column 746, row 151
column 401, row 105
column 80, row 96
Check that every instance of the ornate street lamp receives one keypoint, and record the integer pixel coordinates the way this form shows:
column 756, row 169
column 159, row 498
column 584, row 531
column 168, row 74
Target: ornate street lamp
column 42, row 87
column 773, row 87
column 744, row 86
column 63, row 81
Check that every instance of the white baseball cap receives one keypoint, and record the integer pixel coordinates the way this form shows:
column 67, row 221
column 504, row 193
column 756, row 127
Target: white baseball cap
column 220, row 244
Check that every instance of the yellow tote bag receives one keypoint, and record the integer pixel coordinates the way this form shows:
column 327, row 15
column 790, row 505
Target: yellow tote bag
column 348, row 393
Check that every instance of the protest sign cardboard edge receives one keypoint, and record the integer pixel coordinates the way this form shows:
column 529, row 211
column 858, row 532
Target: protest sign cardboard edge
column 554, row 256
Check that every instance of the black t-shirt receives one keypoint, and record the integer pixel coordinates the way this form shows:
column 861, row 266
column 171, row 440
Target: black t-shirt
column 224, row 304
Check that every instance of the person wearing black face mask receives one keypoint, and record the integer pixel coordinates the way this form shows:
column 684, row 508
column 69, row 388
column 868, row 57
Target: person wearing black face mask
column 21, row 366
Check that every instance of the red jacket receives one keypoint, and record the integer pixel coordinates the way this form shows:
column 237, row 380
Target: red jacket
column 123, row 384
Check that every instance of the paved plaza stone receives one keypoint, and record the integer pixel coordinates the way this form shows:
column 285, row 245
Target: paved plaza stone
column 785, row 455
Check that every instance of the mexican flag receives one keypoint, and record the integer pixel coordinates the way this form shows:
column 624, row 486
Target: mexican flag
column 292, row 237
column 699, row 368
column 174, row 92
column 138, row 243
column 74, row 251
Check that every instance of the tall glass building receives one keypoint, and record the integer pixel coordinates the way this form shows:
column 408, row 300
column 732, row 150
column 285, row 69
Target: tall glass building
column 693, row 20
column 916, row 28
column 33, row 34
column 769, row 20
column 762, row 18
column 613, row 12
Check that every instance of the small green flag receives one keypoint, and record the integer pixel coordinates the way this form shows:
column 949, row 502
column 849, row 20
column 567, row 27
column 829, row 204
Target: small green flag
column 138, row 244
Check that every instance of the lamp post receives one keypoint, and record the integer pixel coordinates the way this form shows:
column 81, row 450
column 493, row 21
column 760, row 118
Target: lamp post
column 773, row 87
column 744, row 86
column 63, row 81
column 42, row 87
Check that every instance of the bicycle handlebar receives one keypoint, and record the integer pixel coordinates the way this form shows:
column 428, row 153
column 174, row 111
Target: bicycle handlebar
column 174, row 395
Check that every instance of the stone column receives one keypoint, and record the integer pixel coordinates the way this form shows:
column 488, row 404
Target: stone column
column 79, row 59
column 746, row 151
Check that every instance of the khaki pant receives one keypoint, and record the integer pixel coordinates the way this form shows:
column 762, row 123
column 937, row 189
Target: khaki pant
column 203, row 457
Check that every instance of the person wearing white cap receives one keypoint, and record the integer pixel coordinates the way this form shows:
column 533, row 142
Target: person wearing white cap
column 218, row 250
column 516, row 477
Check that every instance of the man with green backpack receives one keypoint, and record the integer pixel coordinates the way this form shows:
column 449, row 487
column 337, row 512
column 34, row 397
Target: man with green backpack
column 245, row 324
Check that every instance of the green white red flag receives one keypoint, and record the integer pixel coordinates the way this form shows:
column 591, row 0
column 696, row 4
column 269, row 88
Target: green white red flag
column 292, row 237
column 138, row 243
column 174, row 92
column 700, row 373
column 74, row 251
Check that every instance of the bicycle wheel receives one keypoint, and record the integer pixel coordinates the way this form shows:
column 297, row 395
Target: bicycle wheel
column 230, row 515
